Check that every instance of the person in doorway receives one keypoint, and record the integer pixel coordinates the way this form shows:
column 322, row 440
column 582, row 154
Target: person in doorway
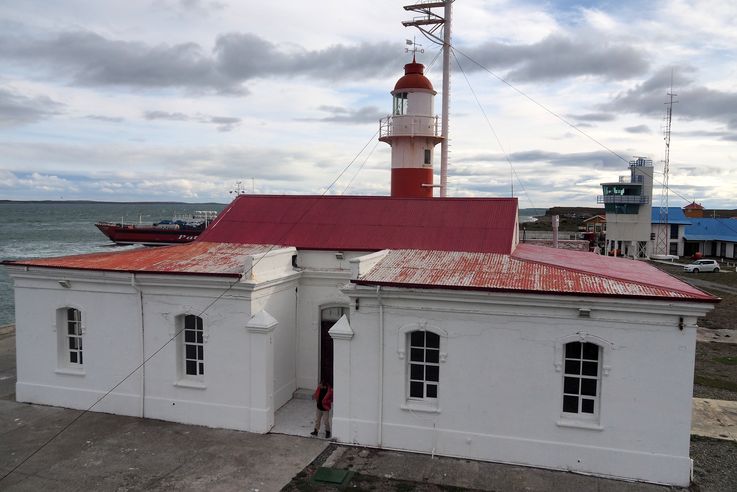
column 324, row 397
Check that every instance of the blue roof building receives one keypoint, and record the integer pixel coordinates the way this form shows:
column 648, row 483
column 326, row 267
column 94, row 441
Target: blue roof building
column 675, row 216
column 689, row 235
column 703, row 229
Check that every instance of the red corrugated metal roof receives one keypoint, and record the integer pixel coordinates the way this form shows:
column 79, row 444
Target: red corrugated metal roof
column 368, row 223
column 197, row 258
column 529, row 271
column 604, row 266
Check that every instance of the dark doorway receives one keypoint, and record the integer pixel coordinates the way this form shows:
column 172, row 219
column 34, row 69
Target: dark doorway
column 690, row 247
column 328, row 317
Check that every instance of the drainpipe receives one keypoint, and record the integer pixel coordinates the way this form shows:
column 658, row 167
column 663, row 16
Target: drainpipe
column 143, row 346
column 296, row 331
column 381, row 363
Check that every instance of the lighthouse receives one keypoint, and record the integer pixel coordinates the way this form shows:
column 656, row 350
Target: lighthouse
column 413, row 131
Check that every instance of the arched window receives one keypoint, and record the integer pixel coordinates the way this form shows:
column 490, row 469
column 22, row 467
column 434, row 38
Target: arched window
column 581, row 378
column 73, row 337
column 424, row 364
column 70, row 332
column 194, row 346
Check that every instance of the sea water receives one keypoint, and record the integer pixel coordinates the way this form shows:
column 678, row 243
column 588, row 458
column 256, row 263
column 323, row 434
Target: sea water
column 39, row 230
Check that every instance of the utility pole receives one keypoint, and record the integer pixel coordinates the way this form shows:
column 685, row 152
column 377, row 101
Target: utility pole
column 429, row 22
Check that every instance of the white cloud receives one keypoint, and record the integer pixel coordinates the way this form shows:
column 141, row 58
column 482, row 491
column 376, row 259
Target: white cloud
column 177, row 99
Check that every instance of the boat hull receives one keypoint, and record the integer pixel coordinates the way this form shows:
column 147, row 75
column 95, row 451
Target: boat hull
column 147, row 235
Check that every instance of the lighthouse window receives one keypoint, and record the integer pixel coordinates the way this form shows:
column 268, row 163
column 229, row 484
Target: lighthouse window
column 428, row 156
column 400, row 103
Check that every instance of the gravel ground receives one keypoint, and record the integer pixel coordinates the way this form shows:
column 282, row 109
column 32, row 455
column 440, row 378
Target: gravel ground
column 700, row 391
column 716, row 371
column 715, row 465
column 715, row 470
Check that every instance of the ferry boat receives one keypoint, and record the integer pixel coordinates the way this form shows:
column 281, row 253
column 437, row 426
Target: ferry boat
column 180, row 229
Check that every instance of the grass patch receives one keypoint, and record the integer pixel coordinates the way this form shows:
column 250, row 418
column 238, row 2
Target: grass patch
column 715, row 383
column 730, row 361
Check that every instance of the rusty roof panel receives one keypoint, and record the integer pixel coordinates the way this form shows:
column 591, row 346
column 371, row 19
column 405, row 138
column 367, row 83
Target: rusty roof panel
column 198, row 258
column 498, row 272
column 604, row 266
column 368, row 223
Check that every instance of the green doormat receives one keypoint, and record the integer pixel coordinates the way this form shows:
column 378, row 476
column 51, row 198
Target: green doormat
column 330, row 475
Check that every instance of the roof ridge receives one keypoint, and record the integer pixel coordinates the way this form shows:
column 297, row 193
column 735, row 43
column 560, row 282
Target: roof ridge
column 382, row 197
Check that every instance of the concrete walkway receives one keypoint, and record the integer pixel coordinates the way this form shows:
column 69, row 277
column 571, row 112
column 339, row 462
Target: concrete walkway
column 295, row 418
column 721, row 335
column 714, row 418
column 110, row 452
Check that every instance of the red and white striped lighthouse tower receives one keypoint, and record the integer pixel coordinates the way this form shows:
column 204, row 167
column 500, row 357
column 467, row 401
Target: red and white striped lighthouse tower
column 413, row 132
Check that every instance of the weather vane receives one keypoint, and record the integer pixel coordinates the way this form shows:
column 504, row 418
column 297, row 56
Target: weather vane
column 416, row 47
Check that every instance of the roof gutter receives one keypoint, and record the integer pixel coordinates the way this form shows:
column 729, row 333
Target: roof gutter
column 116, row 270
column 531, row 291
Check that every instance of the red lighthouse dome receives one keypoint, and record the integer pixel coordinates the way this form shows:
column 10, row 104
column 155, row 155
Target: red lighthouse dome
column 414, row 78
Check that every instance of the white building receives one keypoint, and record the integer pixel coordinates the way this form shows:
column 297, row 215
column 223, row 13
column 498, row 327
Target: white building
column 628, row 205
column 442, row 334
column 669, row 232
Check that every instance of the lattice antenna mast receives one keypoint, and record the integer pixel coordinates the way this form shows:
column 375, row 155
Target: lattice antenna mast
column 664, row 229
column 429, row 22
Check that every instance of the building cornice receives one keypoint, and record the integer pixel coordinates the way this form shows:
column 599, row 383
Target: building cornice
column 545, row 301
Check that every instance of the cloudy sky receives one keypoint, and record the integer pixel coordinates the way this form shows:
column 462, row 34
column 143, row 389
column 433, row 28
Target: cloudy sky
column 179, row 99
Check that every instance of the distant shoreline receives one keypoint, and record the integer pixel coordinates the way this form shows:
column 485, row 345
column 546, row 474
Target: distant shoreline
column 98, row 202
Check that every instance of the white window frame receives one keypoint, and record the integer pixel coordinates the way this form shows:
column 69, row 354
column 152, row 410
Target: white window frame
column 425, row 358
column 184, row 347
column 404, row 352
column 70, row 345
column 574, row 373
column 582, row 419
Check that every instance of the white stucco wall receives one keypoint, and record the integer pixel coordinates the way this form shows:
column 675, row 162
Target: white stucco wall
column 111, row 343
column 281, row 302
column 323, row 274
column 656, row 229
column 114, row 343
column 213, row 399
column 500, row 393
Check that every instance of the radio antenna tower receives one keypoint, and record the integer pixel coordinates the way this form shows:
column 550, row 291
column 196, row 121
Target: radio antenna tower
column 662, row 246
column 429, row 22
